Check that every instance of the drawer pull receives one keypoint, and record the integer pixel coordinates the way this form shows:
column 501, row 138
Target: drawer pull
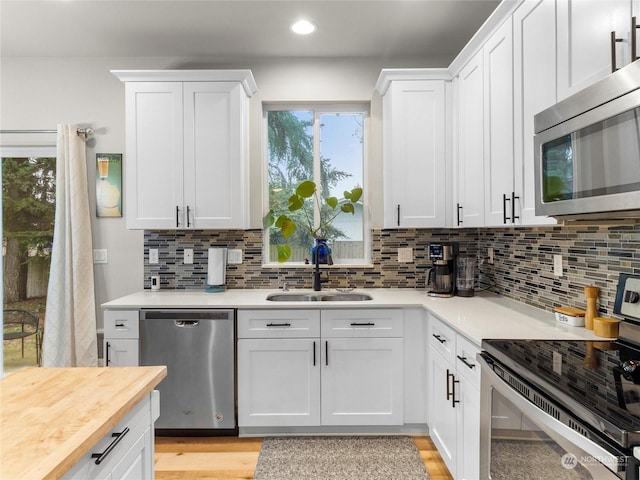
column 278, row 324
column 464, row 360
column 439, row 338
column 367, row 324
column 117, row 437
column 120, row 325
column 314, row 354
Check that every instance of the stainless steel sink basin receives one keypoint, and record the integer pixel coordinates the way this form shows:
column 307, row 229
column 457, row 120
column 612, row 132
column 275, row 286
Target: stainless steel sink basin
column 319, row 297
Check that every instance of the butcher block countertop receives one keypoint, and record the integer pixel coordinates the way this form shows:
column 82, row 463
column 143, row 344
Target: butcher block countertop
column 51, row 417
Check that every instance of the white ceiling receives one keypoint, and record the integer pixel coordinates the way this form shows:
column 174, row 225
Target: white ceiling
column 435, row 30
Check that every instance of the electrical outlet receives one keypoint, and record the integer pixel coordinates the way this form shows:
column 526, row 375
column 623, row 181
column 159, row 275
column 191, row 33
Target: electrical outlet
column 557, row 265
column 153, row 255
column 188, row 256
column 405, row 255
column 490, row 255
column 99, row 255
column 234, row 256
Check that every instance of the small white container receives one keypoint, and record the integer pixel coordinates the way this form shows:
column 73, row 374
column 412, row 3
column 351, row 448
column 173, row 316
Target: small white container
column 574, row 317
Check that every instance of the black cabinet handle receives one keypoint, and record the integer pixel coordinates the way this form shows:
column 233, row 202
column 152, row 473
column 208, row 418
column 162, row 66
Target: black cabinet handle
column 634, row 28
column 504, row 208
column 188, row 219
column 326, row 353
column 453, row 392
column 514, row 217
column 314, row 354
column 448, row 391
column 278, row 324
column 117, row 437
column 464, row 360
column 367, row 324
column 177, row 216
column 614, row 40
column 458, row 208
column 439, row 338
column 107, row 360
column 398, row 214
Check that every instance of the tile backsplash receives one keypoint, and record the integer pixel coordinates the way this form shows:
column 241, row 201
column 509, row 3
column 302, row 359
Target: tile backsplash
column 522, row 269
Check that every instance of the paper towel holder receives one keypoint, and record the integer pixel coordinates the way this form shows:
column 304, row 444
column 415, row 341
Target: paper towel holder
column 216, row 271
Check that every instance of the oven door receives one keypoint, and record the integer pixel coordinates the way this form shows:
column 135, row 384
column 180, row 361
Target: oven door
column 520, row 440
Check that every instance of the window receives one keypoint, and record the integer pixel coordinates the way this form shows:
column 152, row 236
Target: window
column 28, row 210
column 326, row 144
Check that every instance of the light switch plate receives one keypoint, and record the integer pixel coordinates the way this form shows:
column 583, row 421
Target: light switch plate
column 234, row 256
column 188, row 256
column 557, row 265
column 99, row 255
column 153, row 255
column 405, row 255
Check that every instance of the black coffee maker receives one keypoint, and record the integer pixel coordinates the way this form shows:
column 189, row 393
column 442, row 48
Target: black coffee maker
column 441, row 277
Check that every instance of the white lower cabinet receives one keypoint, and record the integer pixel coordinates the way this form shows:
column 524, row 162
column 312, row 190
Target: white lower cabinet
column 455, row 400
column 125, row 453
column 346, row 369
column 121, row 337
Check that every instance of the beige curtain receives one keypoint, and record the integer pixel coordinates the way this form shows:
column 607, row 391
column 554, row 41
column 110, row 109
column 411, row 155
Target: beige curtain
column 70, row 323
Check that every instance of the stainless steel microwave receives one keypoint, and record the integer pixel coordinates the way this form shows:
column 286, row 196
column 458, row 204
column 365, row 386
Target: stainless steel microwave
column 587, row 151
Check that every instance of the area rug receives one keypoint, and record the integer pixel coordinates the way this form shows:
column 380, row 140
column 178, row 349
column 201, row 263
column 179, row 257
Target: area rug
column 344, row 458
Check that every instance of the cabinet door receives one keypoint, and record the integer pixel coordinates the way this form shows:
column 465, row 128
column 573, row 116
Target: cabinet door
column 215, row 155
column 121, row 352
column 414, row 154
column 534, row 90
column 498, row 124
column 362, row 381
column 471, row 143
column 584, row 41
column 137, row 463
column 153, row 166
column 468, row 430
column 442, row 428
column 278, row 382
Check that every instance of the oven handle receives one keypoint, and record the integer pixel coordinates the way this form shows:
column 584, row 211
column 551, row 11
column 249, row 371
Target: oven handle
column 568, row 439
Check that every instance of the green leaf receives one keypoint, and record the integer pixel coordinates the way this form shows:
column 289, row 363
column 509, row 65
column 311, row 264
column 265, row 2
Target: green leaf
column 288, row 228
column 295, row 203
column 268, row 219
column 281, row 220
column 332, row 202
column 356, row 194
column 348, row 208
column 284, row 253
column 306, row 189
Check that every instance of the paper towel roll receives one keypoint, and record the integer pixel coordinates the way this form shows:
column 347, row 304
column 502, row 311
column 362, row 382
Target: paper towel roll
column 217, row 266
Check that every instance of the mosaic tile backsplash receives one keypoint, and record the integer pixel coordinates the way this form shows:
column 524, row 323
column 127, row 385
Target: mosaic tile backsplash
column 522, row 268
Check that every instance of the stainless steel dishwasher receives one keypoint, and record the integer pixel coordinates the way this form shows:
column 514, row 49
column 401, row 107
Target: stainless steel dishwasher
column 198, row 348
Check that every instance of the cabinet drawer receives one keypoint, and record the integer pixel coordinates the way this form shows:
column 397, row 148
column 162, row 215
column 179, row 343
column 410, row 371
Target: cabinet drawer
column 466, row 363
column 278, row 323
column 443, row 339
column 131, row 428
column 121, row 323
column 362, row 323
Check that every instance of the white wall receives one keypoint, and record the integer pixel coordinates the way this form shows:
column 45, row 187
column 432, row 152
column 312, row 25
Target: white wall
column 39, row 93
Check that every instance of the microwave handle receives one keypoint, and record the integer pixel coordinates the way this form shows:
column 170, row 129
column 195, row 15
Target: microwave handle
column 567, row 438
column 614, row 40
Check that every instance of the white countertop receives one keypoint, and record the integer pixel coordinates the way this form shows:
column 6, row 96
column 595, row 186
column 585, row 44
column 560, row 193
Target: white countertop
column 480, row 317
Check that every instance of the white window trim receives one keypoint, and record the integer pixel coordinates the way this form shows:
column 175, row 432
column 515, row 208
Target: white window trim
column 365, row 109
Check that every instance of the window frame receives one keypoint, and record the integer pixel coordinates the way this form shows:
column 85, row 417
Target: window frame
column 363, row 108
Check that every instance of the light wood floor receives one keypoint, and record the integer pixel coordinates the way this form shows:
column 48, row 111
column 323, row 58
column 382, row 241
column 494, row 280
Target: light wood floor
column 216, row 458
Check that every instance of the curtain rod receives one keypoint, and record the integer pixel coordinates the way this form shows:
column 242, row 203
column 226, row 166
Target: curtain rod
column 83, row 132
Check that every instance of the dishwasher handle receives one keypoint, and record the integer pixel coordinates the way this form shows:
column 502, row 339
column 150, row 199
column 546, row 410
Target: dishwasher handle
column 186, row 323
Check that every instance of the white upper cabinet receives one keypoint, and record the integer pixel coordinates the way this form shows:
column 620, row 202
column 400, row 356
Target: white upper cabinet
column 187, row 148
column 534, row 63
column 500, row 194
column 415, row 164
column 470, row 85
column 584, row 41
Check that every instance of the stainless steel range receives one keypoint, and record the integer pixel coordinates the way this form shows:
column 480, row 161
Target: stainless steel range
column 564, row 409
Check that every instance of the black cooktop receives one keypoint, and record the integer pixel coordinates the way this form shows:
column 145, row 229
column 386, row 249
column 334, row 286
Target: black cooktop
column 599, row 376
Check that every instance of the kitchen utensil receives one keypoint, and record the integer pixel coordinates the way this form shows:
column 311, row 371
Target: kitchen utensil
column 592, row 306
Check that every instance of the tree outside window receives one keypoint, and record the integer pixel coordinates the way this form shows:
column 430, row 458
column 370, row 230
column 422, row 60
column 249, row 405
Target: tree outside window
column 325, row 145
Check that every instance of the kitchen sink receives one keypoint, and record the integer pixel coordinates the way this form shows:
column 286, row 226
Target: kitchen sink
column 319, row 297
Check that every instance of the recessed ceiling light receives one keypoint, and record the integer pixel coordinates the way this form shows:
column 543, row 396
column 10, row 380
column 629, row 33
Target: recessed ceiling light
column 303, row 27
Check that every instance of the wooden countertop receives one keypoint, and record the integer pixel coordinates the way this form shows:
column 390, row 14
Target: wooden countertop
column 51, row 417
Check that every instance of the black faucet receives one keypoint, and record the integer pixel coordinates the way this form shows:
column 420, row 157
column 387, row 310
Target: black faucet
column 317, row 280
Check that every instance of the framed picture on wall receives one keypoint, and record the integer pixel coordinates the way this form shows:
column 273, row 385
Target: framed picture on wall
column 109, row 184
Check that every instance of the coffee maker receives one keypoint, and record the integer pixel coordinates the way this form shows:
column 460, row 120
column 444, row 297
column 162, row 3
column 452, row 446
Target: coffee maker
column 441, row 277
